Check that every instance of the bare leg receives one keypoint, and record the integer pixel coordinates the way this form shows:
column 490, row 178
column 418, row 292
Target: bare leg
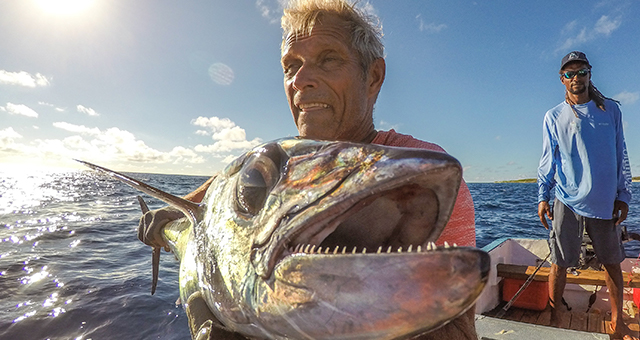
column 615, row 284
column 557, row 282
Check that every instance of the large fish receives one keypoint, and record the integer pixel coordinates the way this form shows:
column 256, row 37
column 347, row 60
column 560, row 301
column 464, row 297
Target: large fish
column 302, row 239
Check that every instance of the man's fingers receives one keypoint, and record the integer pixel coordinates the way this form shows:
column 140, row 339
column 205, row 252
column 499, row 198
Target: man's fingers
column 544, row 222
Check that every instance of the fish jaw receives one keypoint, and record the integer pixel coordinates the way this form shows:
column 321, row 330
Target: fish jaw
column 367, row 296
column 357, row 195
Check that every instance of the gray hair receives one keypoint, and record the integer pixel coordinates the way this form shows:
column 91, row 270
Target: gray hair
column 366, row 32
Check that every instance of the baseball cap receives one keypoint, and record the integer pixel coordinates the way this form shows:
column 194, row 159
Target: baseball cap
column 574, row 56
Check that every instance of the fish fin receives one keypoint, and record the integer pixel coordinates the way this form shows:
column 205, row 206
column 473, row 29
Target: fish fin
column 192, row 210
column 155, row 264
column 143, row 205
column 155, row 255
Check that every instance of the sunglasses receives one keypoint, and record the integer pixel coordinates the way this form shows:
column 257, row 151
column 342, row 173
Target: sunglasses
column 579, row 73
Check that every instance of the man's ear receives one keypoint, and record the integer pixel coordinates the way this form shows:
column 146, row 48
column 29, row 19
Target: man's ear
column 376, row 75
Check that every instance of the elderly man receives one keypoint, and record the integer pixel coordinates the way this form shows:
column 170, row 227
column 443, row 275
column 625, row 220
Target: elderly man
column 332, row 59
column 585, row 158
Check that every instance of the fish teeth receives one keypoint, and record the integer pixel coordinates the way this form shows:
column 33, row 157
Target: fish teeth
column 410, row 248
column 379, row 250
column 335, row 251
column 419, row 249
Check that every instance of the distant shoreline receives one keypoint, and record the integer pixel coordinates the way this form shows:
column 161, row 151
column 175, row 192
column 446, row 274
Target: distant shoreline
column 533, row 180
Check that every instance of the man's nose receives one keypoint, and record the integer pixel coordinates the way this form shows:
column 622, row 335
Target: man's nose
column 304, row 78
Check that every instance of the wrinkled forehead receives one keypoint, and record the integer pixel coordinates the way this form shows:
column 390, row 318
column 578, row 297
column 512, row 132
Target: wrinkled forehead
column 329, row 27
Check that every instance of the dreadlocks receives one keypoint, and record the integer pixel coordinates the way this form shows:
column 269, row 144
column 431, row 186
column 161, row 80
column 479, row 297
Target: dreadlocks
column 598, row 97
column 595, row 95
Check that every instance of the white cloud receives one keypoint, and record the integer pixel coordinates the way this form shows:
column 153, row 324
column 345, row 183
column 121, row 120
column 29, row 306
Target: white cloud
column 603, row 28
column 59, row 109
column 77, row 128
column 87, row 110
column 19, row 109
column 227, row 136
column 214, row 123
column 429, row 27
column 606, row 25
column 271, row 9
column 627, row 98
column 8, row 137
column 23, row 79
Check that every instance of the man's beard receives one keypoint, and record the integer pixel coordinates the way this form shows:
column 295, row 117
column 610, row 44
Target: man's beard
column 578, row 90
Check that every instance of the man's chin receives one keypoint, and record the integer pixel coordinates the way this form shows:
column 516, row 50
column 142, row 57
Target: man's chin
column 579, row 90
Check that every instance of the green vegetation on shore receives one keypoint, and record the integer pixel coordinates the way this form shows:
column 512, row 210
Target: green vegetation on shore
column 524, row 180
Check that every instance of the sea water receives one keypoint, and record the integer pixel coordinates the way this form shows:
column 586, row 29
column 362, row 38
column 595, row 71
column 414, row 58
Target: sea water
column 71, row 266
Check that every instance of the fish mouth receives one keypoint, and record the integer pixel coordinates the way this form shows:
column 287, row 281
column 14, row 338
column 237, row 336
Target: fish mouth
column 407, row 210
column 385, row 221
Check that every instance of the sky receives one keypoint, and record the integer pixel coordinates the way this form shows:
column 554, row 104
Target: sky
column 183, row 87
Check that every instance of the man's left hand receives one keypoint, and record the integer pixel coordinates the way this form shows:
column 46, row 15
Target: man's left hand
column 620, row 209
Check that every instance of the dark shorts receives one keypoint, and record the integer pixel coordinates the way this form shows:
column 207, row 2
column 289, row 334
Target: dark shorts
column 565, row 237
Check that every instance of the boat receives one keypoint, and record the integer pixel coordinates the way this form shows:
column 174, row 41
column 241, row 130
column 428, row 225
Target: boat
column 515, row 260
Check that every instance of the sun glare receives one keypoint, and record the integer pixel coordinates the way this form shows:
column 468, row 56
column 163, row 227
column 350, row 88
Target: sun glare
column 64, row 7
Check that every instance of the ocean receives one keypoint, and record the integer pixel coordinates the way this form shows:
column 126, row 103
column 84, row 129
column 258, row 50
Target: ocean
column 71, row 266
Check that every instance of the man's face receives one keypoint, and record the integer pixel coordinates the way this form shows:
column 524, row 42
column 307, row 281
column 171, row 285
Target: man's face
column 576, row 84
column 329, row 95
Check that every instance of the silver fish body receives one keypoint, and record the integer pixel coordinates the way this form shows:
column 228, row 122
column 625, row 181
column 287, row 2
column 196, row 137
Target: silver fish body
column 301, row 239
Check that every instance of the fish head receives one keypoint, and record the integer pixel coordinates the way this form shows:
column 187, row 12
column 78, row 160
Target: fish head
column 334, row 240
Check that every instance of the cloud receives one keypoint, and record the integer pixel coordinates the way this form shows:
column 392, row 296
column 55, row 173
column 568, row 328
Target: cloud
column 23, row 79
column 606, row 25
column 227, row 136
column 8, row 137
column 270, row 9
column 111, row 144
column 81, row 129
column 19, row 109
column 627, row 98
column 429, row 27
column 603, row 28
column 89, row 111
column 59, row 109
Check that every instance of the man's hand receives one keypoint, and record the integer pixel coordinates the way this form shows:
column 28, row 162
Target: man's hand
column 545, row 209
column 622, row 208
column 151, row 224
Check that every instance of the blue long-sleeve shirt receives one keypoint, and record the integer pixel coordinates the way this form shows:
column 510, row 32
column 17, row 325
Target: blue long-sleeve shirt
column 585, row 159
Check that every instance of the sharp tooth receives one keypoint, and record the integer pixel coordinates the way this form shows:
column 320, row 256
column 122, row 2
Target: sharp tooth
column 327, row 251
column 344, row 250
column 313, row 248
column 430, row 246
column 364, row 250
column 335, row 251
column 410, row 248
column 455, row 245
column 354, row 250
column 297, row 250
column 446, row 244
column 389, row 250
column 306, row 249
column 419, row 249
column 379, row 250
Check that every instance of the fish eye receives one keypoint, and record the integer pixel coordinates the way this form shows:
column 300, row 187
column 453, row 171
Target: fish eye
column 256, row 179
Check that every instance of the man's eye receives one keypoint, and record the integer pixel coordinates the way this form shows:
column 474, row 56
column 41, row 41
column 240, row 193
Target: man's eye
column 290, row 70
